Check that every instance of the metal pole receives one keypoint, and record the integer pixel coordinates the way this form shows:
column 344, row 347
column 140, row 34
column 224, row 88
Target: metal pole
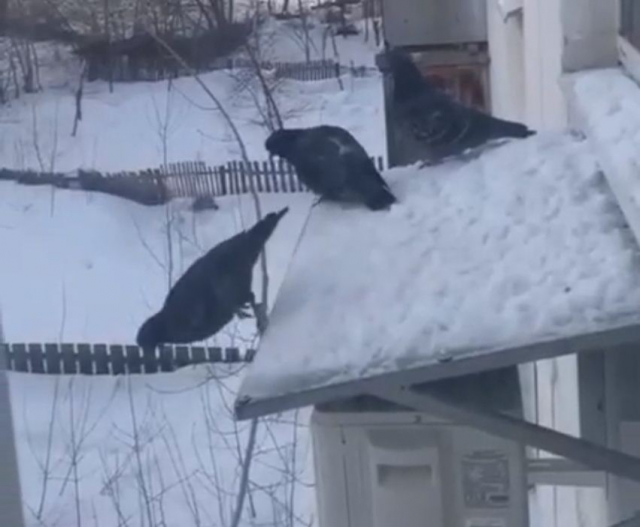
column 631, row 522
column 11, row 513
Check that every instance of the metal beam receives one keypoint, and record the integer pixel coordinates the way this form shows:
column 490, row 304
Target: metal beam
column 631, row 522
column 11, row 511
column 588, row 454
column 563, row 472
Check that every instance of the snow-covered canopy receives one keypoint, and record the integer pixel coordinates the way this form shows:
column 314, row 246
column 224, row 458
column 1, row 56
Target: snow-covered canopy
column 521, row 246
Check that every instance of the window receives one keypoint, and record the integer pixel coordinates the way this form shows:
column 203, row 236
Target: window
column 630, row 21
column 629, row 37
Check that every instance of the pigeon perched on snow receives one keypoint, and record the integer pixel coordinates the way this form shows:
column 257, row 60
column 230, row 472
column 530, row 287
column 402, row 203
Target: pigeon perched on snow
column 216, row 287
column 445, row 127
column 331, row 162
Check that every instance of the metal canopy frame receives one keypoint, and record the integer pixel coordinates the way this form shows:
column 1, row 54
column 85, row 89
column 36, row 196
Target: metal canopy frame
column 589, row 454
column 474, row 361
column 401, row 388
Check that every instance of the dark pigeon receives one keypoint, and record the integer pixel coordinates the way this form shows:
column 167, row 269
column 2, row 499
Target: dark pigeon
column 445, row 127
column 216, row 287
column 332, row 164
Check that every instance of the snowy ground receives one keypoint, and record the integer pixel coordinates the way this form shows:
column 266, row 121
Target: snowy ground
column 163, row 449
column 287, row 41
column 154, row 450
column 110, row 267
column 139, row 125
column 91, row 268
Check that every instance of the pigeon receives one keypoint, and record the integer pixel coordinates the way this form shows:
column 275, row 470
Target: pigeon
column 213, row 289
column 332, row 164
column 443, row 126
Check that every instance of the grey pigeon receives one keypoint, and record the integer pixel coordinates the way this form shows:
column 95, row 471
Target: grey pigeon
column 213, row 289
column 332, row 164
column 443, row 126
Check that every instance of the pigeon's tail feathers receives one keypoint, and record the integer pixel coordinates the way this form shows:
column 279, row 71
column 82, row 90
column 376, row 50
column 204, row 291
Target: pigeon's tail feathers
column 263, row 230
column 380, row 200
column 504, row 128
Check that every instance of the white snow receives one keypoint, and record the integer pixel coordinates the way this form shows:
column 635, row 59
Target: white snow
column 79, row 266
column 130, row 128
column 606, row 107
column 155, row 450
column 87, row 267
column 523, row 244
column 287, row 41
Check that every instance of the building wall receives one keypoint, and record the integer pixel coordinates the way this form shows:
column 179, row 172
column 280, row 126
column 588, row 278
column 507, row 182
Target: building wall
column 506, row 68
column 533, row 48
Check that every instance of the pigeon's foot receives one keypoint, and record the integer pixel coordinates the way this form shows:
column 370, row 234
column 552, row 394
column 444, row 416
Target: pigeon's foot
column 242, row 314
column 260, row 313
column 427, row 163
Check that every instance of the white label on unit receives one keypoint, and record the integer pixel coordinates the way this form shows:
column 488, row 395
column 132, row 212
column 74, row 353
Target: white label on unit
column 485, row 480
column 485, row 522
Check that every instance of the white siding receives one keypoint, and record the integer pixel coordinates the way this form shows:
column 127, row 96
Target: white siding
column 506, row 49
column 532, row 49
column 545, row 103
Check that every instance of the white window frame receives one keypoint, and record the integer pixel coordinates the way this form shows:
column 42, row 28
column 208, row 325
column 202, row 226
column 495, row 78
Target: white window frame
column 628, row 55
column 509, row 8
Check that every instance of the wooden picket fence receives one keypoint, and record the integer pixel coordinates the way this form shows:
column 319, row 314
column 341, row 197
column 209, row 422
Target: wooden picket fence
column 113, row 359
column 191, row 179
column 119, row 69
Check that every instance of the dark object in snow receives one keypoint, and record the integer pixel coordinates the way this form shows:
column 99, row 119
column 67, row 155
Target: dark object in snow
column 331, row 162
column 445, row 127
column 150, row 191
column 216, row 287
column 347, row 30
column 204, row 203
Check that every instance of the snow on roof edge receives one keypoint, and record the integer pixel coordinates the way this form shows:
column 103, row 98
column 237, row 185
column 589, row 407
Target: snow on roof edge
column 605, row 106
column 247, row 407
column 556, row 220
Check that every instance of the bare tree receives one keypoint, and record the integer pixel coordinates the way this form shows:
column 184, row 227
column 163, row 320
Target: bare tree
column 300, row 32
column 217, row 13
column 261, row 312
column 260, row 87
column 78, row 100
column 306, row 39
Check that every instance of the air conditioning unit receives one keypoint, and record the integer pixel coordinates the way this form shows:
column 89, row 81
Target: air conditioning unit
column 434, row 22
column 391, row 468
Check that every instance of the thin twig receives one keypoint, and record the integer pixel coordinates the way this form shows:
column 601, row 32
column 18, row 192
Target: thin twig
column 248, row 457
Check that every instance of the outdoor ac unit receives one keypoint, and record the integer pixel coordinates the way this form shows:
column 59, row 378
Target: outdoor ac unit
column 434, row 22
column 404, row 469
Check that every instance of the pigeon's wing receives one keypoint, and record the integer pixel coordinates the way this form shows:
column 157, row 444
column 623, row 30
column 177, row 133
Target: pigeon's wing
column 362, row 181
column 318, row 164
column 449, row 128
column 361, row 169
column 436, row 121
column 186, row 302
column 228, row 271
